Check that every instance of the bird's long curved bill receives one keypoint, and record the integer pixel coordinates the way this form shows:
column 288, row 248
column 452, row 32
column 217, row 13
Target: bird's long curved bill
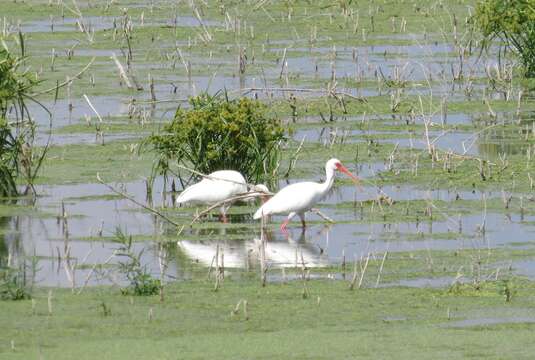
column 355, row 179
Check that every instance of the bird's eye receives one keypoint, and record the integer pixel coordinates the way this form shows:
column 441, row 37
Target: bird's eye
column 337, row 165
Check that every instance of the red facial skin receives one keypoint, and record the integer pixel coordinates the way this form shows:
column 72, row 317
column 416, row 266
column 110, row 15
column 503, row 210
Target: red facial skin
column 343, row 169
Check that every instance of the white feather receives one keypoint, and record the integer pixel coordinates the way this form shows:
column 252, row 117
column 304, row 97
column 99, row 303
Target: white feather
column 218, row 186
column 297, row 198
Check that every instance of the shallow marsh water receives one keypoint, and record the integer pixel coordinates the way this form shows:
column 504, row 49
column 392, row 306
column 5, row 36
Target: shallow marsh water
column 92, row 220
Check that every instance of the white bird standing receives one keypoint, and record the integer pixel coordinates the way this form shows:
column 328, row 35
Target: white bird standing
column 298, row 198
column 216, row 187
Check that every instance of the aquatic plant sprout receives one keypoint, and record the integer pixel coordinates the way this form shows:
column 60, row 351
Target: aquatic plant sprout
column 141, row 282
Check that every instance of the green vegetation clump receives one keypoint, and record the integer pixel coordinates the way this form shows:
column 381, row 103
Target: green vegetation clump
column 513, row 21
column 13, row 284
column 9, row 148
column 218, row 133
column 16, row 282
column 16, row 156
column 141, row 282
column 12, row 90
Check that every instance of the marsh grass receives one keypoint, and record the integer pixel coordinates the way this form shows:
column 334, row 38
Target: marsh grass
column 18, row 158
column 17, row 282
column 11, row 93
column 514, row 23
column 13, row 285
column 9, row 148
column 141, row 282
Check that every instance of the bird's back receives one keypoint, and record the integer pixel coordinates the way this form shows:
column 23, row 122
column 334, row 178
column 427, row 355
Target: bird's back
column 219, row 186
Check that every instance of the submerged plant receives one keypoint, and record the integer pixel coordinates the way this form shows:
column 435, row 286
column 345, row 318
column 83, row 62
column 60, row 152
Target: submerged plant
column 217, row 133
column 512, row 21
column 141, row 281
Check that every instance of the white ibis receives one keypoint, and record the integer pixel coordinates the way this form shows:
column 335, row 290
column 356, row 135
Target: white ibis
column 298, row 198
column 217, row 187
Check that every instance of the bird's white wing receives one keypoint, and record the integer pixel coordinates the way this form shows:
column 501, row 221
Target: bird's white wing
column 214, row 189
column 189, row 193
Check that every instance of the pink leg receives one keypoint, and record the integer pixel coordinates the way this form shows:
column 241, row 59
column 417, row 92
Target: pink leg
column 284, row 224
column 223, row 214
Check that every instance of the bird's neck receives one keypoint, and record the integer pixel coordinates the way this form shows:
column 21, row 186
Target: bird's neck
column 328, row 183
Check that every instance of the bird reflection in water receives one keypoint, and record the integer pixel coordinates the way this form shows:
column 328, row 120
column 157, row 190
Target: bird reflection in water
column 280, row 251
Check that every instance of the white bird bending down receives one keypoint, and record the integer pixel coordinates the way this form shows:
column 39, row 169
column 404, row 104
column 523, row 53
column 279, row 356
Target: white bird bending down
column 298, row 198
column 217, row 187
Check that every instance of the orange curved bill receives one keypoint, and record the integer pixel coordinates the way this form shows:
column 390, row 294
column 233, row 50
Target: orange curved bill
column 343, row 169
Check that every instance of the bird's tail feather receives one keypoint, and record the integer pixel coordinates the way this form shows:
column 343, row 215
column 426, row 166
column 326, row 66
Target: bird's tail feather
column 258, row 214
column 183, row 197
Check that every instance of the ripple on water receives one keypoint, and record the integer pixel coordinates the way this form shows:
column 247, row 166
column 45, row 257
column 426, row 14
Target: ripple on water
column 490, row 321
column 99, row 23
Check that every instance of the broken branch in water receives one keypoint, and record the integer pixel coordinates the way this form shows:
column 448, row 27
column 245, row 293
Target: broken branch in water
column 122, row 72
column 92, row 107
column 244, row 196
column 151, row 209
column 322, row 215
column 69, row 80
